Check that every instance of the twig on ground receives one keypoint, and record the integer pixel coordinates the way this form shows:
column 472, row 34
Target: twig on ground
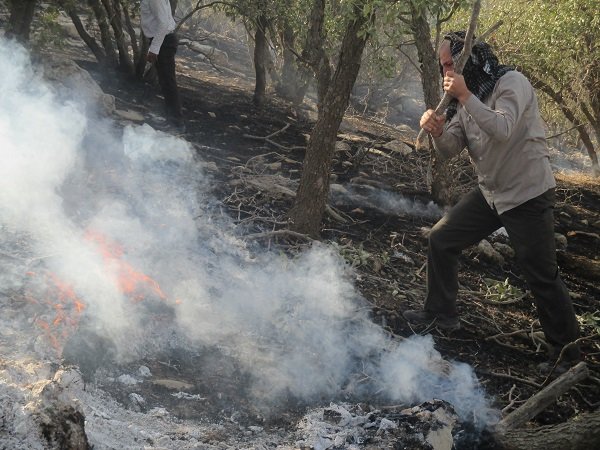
column 270, row 141
column 510, row 377
column 268, row 234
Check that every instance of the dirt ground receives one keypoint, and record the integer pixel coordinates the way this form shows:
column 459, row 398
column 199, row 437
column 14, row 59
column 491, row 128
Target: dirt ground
column 386, row 248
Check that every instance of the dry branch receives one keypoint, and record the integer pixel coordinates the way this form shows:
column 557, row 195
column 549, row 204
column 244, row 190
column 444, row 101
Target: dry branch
column 269, row 234
column 270, row 141
column 462, row 60
column 543, row 398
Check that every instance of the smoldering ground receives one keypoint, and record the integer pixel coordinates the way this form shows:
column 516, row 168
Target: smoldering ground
column 126, row 219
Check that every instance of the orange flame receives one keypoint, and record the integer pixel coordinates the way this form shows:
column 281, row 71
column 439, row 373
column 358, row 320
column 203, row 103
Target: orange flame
column 131, row 282
column 67, row 310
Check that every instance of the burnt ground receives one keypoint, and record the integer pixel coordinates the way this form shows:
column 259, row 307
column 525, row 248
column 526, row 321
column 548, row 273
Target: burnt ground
column 387, row 250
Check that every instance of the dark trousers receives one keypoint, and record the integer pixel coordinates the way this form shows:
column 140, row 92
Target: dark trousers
column 530, row 227
column 165, row 67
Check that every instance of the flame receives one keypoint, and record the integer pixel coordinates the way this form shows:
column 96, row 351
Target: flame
column 131, row 282
column 67, row 307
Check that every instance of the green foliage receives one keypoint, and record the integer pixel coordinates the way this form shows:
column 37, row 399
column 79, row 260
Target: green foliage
column 558, row 41
column 591, row 320
column 49, row 33
column 357, row 256
column 500, row 291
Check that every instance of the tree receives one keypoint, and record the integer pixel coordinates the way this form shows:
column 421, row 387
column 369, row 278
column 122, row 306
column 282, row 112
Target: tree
column 307, row 213
column 556, row 44
column 119, row 47
column 261, row 49
column 21, row 16
column 418, row 17
column 418, row 24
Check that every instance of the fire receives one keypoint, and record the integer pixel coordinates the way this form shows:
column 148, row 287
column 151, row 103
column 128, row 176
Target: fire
column 67, row 307
column 131, row 282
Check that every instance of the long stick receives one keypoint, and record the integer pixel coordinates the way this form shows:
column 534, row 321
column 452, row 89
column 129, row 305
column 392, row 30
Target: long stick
column 543, row 398
column 460, row 65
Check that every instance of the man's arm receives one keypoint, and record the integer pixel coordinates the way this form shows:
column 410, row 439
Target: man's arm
column 448, row 140
column 513, row 92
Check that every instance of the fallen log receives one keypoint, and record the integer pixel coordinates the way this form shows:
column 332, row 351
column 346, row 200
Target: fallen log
column 540, row 401
column 580, row 433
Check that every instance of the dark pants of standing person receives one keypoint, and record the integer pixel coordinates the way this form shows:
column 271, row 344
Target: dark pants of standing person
column 165, row 67
column 530, row 227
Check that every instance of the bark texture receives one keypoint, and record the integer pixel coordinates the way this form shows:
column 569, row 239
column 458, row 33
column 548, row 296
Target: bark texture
column 307, row 212
column 260, row 59
column 21, row 16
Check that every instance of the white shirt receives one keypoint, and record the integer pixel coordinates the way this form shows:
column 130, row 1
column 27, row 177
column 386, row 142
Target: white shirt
column 157, row 21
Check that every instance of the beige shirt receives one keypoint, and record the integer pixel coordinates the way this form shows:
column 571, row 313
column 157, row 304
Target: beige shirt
column 157, row 21
column 506, row 141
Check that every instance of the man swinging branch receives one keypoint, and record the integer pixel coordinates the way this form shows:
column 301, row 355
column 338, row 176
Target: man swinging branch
column 495, row 115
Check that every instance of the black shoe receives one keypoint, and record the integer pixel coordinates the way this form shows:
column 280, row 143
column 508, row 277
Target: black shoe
column 421, row 317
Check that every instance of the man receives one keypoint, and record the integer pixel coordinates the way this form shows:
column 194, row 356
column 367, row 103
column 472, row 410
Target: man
column 495, row 115
column 158, row 25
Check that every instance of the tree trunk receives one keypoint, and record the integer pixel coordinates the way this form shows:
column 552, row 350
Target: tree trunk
column 580, row 433
column 440, row 173
column 85, row 36
column 291, row 87
column 21, row 16
column 135, row 47
column 105, row 35
column 113, row 11
column 307, row 213
column 260, row 59
column 173, row 6
column 314, row 52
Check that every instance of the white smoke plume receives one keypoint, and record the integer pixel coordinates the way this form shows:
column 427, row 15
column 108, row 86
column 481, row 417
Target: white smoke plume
column 98, row 207
column 385, row 201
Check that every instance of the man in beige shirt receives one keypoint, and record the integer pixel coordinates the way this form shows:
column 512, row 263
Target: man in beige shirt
column 495, row 115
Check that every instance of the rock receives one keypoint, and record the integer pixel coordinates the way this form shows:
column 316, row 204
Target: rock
column 485, row 249
column 137, row 402
column 504, row 249
column 213, row 54
column 398, row 146
column 71, row 80
column 561, row 241
column 144, row 372
column 209, row 166
column 128, row 114
column 60, row 418
column 338, row 189
column 341, row 146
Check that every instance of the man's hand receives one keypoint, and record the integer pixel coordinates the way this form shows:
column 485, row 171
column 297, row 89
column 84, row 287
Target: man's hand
column 151, row 57
column 454, row 84
column 432, row 123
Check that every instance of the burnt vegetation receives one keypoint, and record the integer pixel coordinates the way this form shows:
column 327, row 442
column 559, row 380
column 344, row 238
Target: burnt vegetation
column 256, row 181
column 253, row 153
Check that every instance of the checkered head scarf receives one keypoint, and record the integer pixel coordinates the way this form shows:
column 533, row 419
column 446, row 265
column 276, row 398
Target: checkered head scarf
column 481, row 71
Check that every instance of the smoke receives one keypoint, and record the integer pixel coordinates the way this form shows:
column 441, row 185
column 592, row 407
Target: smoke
column 384, row 201
column 125, row 218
